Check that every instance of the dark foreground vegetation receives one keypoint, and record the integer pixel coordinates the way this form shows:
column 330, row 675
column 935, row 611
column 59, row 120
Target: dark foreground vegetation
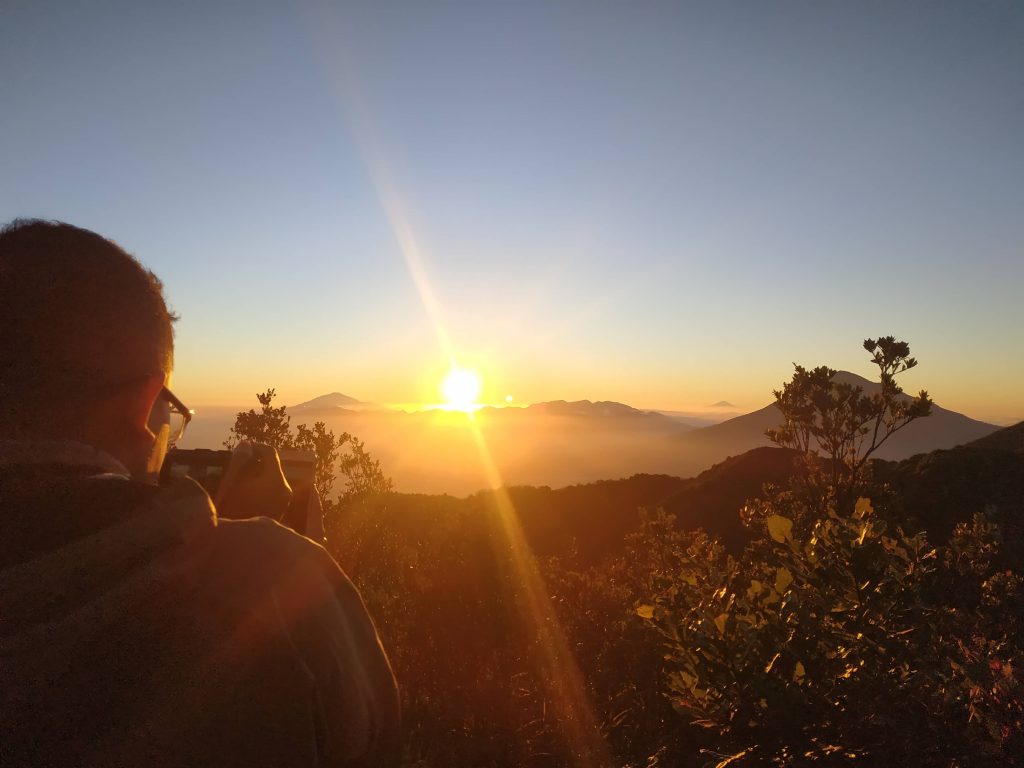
column 794, row 605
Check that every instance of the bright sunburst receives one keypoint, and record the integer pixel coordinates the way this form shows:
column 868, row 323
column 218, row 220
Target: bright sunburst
column 461, row 389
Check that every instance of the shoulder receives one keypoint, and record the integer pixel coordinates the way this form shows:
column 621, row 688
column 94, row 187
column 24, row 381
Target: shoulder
column 261, row 534
column 305, row 580
column 269, row 545
column 328, row 625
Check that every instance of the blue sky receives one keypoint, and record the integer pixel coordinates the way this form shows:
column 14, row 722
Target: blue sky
column 660, row 203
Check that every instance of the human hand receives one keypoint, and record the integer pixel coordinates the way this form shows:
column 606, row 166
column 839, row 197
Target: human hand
column 305, row 514
column 253, row 484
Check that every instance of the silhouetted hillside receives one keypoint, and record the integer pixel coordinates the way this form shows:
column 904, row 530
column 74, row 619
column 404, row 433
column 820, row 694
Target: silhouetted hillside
column 1007, row 439
column 936, row 490
column 713, row 499
column 585, row 522
column 589, row 522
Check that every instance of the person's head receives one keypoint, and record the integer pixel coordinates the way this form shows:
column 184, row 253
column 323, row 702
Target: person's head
column 86, row 344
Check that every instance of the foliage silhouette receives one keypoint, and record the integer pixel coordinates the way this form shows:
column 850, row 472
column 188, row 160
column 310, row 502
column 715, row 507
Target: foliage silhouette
column 272, row 426
column 785, row 655
column 860, row 636
column 820, row 413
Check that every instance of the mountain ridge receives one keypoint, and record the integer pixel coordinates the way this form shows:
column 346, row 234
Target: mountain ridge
column 559, row 443
column 330, row 400
column 942, row 429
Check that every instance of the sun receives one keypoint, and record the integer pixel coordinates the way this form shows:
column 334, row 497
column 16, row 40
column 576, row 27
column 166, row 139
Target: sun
column 461, row 389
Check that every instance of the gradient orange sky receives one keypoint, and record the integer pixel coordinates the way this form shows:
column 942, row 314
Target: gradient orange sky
column 664, row 205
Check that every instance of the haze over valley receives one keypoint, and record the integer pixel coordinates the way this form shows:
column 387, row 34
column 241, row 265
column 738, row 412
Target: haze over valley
column 559, row 443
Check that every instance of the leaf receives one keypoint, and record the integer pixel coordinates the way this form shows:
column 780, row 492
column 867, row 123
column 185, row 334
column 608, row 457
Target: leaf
column 863, row 533
column 783, row 578
column 645, row 611
column 799, row 672
column 780, row 528
column 862, row 508
column 720, row 622
column 731, row 758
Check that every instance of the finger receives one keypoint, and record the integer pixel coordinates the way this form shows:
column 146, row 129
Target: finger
column 241, row 457
column 268, row 464
column 265, row 456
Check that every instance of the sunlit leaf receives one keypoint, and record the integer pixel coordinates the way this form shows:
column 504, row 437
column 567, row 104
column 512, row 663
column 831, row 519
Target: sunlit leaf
column 783, row 578
column 645, row 611
column 863, row 532
column 720, row 622
column 799, row 672
column 733, row 758
column 780, row 528
column 862, row 508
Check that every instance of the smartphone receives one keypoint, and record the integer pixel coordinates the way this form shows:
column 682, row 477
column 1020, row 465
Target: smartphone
column 304, row 515
column 207, row 467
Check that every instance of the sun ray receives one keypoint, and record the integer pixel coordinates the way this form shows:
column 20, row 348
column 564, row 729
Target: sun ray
column 557, row 669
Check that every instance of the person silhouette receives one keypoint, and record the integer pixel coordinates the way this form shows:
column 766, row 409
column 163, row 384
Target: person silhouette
column 136, row 627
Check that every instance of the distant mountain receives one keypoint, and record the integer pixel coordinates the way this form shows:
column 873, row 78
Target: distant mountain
column 560, row 443
column 604, row 409
column 722, row 404
column 942, row 429
column 333, row 400
column 703, row 418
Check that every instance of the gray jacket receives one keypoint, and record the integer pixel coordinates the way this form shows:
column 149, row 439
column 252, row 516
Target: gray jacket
column 138, row 629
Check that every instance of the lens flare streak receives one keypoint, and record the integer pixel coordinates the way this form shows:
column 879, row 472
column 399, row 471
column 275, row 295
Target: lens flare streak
column 556, row 666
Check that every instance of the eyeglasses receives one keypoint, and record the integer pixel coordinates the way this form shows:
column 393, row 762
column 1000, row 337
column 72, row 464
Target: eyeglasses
column 181, row 415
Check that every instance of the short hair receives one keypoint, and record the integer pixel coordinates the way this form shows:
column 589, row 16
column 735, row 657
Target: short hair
column 78, row 316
